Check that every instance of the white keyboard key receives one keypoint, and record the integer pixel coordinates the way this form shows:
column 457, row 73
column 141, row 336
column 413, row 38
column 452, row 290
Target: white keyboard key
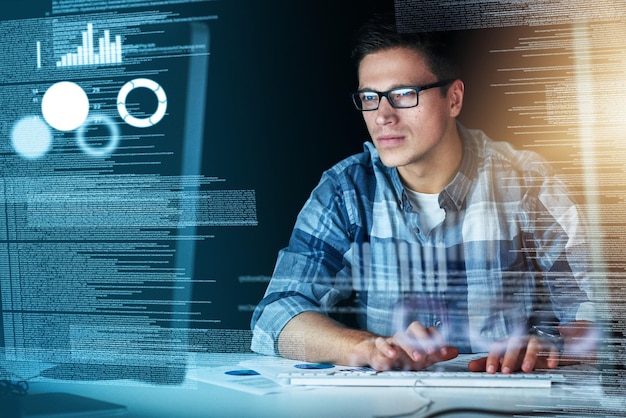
column 421, row 378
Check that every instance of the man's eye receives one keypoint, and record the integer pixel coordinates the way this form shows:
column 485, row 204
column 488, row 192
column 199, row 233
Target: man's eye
column 403, row 93
column 368, row 97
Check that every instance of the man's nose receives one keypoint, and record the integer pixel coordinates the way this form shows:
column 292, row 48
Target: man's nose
column 385, row 112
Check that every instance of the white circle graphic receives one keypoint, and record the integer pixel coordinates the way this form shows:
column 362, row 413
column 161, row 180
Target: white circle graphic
column 158, row 92
column 65, row 106
column 98, row 151
column 31, row 138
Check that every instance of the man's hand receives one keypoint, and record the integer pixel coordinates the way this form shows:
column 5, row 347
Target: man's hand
column 413, row 349
column 527, row 353
column 517, row 353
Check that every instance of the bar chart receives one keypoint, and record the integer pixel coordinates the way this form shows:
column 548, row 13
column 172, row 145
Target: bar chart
column 108, row 51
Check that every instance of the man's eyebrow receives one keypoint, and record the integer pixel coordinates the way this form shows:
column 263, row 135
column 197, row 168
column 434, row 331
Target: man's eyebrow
column 393, row 86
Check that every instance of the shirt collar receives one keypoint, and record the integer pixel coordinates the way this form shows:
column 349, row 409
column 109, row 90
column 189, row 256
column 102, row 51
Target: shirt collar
column 391, row 174
column 455, row 193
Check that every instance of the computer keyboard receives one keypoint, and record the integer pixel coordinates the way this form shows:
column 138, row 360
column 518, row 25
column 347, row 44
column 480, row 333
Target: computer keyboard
column 364, row 377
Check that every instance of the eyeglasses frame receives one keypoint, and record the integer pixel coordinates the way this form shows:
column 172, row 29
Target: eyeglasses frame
column 385, row 94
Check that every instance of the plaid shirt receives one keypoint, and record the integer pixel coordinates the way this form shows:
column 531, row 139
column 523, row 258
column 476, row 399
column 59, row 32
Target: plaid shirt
column 511, row 251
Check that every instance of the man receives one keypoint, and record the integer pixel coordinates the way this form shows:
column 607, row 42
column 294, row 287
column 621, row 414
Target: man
column 444, row 240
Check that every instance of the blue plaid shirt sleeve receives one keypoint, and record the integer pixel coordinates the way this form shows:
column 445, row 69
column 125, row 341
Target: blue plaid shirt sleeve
column 308, row 273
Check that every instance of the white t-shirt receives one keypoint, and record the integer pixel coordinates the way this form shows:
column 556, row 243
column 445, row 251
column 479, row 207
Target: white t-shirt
column 427, row 205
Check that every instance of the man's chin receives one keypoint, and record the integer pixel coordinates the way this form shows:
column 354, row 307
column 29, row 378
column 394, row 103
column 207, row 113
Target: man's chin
column 391, row 162
column 392, row 158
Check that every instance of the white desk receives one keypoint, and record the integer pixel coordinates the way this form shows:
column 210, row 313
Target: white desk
column 200, row 399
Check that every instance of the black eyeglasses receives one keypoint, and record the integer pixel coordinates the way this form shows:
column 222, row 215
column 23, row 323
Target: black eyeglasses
column 399, row 97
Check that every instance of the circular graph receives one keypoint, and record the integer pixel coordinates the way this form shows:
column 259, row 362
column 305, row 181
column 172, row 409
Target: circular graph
column 101, row 151
column 147, row 121
column 65, row 106
column 31, row 137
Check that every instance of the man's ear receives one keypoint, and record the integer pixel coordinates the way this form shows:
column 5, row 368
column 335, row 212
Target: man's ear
column 455, row 96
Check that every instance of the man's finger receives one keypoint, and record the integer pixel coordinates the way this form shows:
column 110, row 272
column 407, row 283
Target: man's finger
column 533, row 350
column 494, row 358
column 478, row 365
column 553, row 358
column 513, row 355
column 415, row 341
column 385, row 348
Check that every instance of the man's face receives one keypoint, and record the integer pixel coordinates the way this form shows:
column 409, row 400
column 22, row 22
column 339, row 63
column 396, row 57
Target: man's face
column 413, row 137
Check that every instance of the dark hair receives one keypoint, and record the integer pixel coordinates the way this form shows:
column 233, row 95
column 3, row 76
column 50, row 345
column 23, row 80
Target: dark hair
column 437, row 48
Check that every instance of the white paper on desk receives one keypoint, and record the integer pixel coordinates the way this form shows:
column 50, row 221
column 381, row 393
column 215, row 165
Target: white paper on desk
column 227, row 376
column 271, row 367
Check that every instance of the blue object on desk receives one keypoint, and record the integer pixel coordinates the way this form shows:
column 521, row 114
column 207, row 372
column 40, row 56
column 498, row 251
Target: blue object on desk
column 245, row 372
column 314, row 366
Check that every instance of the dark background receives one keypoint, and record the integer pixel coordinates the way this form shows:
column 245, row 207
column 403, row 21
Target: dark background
column 279, row 113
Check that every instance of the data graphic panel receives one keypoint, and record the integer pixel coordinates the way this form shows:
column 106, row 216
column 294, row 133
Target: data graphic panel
column 102, row 191
column 106, row 51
